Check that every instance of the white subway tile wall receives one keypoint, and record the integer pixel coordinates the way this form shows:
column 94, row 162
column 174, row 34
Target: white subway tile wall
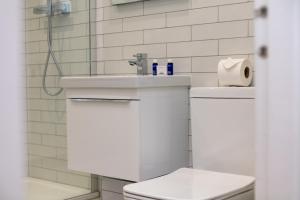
column 195, row 33
column 46, row 115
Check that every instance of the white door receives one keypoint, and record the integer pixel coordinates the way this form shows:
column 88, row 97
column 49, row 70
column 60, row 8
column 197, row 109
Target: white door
column 12, row 105
column 278, row 101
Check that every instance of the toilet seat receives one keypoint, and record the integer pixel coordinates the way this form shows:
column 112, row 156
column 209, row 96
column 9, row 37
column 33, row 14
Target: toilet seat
column 191, row 184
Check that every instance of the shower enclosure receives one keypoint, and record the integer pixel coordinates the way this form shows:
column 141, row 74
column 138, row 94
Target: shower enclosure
column 60, row 41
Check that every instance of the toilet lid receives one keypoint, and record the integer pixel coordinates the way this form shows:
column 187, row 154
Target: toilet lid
column 191, row 184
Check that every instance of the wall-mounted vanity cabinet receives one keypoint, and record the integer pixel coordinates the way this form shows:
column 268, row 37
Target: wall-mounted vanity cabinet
column 127, row 127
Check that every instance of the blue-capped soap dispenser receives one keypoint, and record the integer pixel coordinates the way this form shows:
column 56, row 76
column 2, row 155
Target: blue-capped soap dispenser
column 154, row 67
column 170, row 67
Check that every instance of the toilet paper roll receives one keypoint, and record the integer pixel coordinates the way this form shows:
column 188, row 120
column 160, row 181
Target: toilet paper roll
column 235, row 72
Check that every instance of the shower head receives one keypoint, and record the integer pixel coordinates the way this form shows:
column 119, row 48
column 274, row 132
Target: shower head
column 58, row 8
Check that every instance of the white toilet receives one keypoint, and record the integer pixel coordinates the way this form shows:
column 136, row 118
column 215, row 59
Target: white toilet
column 223, row 151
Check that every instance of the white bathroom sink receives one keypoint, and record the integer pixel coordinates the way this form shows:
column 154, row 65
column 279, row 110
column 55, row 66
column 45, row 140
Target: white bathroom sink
column 131, row 115
column 125, row 81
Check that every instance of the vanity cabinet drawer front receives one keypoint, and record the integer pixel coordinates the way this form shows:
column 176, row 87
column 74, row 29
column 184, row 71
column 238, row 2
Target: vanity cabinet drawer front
column 103, row 136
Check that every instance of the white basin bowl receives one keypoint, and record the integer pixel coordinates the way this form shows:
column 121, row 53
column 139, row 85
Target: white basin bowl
column 125, row 81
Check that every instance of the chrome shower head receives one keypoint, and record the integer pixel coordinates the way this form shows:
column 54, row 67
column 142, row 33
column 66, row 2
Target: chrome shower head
column 58, row 8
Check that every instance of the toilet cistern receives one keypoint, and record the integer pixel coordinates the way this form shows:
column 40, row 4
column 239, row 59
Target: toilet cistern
column 141, row 63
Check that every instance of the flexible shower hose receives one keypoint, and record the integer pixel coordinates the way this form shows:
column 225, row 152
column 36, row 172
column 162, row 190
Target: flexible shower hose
column 51, row 54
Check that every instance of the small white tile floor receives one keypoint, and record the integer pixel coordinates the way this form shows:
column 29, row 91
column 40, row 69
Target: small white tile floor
column 37, row 189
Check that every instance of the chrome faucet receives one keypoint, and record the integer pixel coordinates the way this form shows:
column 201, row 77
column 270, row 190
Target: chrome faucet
column 141, row 63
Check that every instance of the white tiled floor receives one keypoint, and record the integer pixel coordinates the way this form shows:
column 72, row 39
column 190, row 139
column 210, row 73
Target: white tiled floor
column 37, row 189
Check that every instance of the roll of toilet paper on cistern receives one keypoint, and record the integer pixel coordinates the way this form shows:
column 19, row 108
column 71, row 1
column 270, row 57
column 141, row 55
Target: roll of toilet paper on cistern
column 235, row 72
